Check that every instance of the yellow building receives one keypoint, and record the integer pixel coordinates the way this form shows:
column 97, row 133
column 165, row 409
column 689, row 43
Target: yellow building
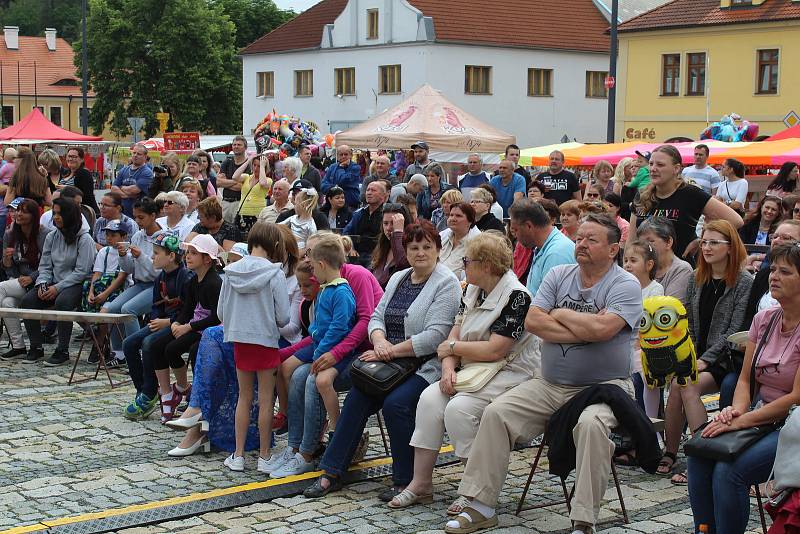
column 39, row 71
column 687, row 63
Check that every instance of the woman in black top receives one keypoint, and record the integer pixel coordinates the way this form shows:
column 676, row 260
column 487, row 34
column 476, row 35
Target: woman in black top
column 78, row 175
column 27, row 181
column 668, row 195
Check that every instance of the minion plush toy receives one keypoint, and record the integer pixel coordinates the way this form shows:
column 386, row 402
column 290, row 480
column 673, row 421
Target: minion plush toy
column 666, row 346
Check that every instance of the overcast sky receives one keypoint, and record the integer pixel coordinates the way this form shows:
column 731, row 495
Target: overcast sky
column 296, row 5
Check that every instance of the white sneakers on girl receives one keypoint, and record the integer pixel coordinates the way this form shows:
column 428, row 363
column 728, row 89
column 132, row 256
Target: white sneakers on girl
column 296, row 465
column 276, row 461
column 234, row 463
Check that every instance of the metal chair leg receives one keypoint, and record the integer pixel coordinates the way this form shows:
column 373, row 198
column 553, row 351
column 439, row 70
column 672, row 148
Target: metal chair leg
column 383, row 434
column 761, row 509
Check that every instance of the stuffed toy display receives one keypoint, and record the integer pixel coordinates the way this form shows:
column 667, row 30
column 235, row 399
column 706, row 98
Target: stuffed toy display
column 667, row 349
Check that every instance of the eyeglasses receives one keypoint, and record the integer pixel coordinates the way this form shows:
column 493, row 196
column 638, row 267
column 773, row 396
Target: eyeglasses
column 467, row 261
column 713, row 242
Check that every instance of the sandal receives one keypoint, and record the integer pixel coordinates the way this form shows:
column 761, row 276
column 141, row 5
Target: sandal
column 316, row 490
column 680, row 479
column 458, row 506
column 474, row 522
column 407, row 498
column 168, row 407
column 667, row 464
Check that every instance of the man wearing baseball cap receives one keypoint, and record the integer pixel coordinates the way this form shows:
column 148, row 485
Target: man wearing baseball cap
column 421, row 161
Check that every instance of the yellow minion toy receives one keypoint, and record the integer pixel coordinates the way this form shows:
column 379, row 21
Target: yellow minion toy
column 666, row 346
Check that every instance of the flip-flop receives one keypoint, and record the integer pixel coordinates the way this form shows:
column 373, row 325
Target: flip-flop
column 474, row 522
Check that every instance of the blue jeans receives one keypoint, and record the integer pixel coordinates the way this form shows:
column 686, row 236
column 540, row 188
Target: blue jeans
column 399, row 412
column 306, row 412
column 719, row 491
column 135, row 301
column 139, row 367
column 727, row 389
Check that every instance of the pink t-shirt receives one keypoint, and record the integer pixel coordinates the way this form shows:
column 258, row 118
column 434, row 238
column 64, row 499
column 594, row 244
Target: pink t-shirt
column 780, row 358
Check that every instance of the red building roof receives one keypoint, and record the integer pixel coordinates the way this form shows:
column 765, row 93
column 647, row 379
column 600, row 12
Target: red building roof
column 689, row 13
column 55, row 70
column 550, row 24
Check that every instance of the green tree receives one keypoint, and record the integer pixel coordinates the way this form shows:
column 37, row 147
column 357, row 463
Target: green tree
column 147, row 56
column 253, row 18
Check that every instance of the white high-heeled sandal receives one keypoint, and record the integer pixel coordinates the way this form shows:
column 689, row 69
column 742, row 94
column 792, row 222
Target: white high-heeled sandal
column 202, row 442
column 185, row 423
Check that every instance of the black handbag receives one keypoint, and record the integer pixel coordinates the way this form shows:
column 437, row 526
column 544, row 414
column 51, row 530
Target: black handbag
column 378, row 378
column 727, row 446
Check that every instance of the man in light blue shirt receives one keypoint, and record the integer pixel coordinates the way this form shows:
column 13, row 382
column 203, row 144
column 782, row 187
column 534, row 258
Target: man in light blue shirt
column 531, row 224
column 508, row 185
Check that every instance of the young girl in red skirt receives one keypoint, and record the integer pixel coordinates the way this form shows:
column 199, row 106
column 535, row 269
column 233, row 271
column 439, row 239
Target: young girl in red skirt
column 254, row 302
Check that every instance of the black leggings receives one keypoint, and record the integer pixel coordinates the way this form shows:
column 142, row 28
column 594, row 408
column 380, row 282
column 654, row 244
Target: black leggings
column 168, row 351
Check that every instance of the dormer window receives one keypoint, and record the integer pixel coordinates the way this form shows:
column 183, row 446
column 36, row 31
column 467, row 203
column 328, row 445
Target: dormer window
column 372, row 24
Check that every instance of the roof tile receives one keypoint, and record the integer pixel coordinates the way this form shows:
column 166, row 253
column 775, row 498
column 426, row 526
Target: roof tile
column 692, row 13
column 555, row 24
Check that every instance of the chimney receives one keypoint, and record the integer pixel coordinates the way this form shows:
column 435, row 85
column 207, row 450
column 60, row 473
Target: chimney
column 11, row 34
column 50, row 38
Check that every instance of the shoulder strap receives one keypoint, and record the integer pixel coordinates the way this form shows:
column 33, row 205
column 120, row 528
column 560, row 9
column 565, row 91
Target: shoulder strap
column 757, row 356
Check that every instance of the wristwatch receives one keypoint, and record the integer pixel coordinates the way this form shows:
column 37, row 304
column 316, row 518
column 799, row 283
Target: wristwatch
column 452, row 347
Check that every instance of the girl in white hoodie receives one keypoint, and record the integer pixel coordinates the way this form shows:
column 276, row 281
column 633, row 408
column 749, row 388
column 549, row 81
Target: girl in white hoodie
column 253, row 305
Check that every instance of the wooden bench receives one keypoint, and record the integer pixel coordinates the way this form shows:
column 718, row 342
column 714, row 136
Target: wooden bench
column 114, row 320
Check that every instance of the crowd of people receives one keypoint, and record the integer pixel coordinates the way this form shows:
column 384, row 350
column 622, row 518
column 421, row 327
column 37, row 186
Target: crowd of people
column 505, row 304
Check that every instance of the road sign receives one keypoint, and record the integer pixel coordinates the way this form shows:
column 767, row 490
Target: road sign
column 136, row 125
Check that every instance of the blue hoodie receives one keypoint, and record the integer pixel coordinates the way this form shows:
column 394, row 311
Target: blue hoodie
column 254, row 302
column 334, row 315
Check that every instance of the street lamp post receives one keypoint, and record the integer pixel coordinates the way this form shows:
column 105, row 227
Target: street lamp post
column 612, row 74
column 84, row 73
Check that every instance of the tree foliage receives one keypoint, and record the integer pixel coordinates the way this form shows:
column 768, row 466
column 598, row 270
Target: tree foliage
column 33, row 16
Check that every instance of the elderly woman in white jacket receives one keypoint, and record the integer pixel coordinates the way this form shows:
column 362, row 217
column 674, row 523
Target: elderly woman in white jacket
column 494, row 353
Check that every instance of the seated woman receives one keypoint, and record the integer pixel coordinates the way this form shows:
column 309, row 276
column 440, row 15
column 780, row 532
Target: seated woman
column 194, row 193
column 761, row 222
column 174, row 220
column 67, row 260
column 23, row 243
column 490, row 327
column 440, row 214
column 27, row 181
column 484, row 219
column 454, row 240
column 111, row 210
column 412, row 319
column 335, row 208
column 715, row 310
column 570, row 218
column 209, row 215
column 389, row 255
column 718, row 491
column 672, row 272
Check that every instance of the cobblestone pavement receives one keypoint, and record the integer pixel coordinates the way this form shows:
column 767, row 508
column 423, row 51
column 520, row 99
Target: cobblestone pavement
column 66, row 451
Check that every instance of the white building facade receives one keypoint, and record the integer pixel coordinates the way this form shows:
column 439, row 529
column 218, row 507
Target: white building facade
column 376, row 52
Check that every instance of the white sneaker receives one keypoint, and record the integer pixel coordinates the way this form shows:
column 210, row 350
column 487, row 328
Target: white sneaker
column 296, row 465
column 276, row 461
column 234, row 463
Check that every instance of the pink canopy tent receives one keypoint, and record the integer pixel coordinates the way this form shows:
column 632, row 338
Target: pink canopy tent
column 35, row 128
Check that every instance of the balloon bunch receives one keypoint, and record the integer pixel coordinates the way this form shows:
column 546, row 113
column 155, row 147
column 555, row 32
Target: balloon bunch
column 729, row 131
column 288, row 133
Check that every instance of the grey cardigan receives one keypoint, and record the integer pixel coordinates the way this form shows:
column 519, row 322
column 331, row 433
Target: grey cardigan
column 728, row 317
column 430, row 317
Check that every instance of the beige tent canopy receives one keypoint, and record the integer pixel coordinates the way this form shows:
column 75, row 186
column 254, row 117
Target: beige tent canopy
column 427, row 116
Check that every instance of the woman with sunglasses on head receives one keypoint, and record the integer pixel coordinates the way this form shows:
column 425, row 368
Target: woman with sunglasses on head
column 718, row 491
column 761, row 222
column 715, row 310
column 785, row 181
column 389, row 255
